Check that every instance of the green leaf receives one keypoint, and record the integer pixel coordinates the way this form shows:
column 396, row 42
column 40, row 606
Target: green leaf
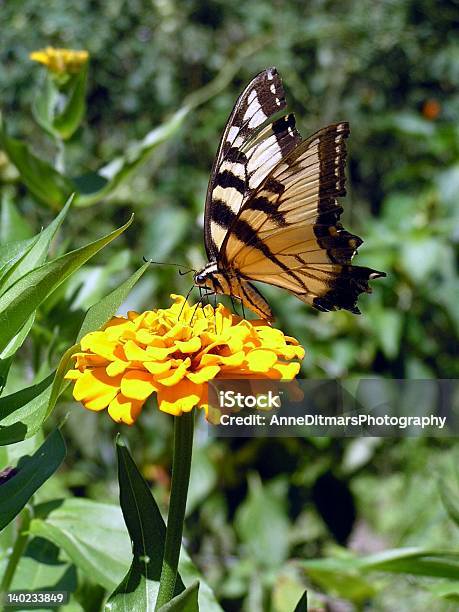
column 445, row 590
column 302, row 605
column 60, row 112
column 450, row 498
column 59, row 384
column 139, row 588
column 31, row 473
column 267, row 539
column 187, row 601
column 44, row 104
column 37, row 254
column 13, row 226
column 416, row 561
column 202, row 480
column 419, row 562
column 41, row 569
column 32, row 254
column 12, row 253
column 111, row 175
column 24, row 297
column 68, row 121
column 189, row 574
column 6, row 356
column 339, row 575
column 92, row 534
column 95, row 538
column 340, row 581
column 22, row 413
column 101, row 312
column 40, row 177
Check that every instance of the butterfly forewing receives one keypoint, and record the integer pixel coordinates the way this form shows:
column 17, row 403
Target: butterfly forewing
column 248, row 151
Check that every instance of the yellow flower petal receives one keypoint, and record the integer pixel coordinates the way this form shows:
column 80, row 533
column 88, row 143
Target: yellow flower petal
column 60, row 60
column 291, row 352
column 285, row 371
column 89, row 359
column 137, row 385
column 98, row 343
column 117, row 367
column 204, row 374
column 158, row 367
column 95, row 389
column 180, row 398
column 188, row 346
column 175, row 375
column 157, row 353
column 231, row 360
column 261, row 360
column 146, row 336
column 134, row 352
column 118, row 327
column 124, row 410
column 73, row 375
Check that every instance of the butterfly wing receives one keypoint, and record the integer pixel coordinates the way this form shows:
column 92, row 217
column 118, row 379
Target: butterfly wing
column 287, row 233
column 248, row 151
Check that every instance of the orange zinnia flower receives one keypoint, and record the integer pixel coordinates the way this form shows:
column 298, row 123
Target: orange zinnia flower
column 174, row 352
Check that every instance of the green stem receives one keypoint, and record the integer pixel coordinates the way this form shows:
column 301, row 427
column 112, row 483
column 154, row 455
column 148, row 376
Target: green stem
column 183, row 448
column 59, row 162
column 20, row 544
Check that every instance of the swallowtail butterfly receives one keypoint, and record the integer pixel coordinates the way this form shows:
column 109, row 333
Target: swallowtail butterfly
column 271, row 212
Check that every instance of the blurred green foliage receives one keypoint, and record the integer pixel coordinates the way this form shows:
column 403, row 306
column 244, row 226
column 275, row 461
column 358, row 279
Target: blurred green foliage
column 255, row 510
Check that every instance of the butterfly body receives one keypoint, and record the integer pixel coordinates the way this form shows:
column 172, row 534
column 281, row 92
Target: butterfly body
column 271, row 211
column 229, row 282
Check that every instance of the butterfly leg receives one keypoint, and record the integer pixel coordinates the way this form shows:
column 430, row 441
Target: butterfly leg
column 232, row 297
column 200, row 302
column 233, row 304
column 215, row 308
column 185, row 301
column 243, row 309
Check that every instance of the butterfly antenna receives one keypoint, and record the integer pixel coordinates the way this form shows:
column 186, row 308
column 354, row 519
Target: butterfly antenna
column 200, row 303
column 168, row 263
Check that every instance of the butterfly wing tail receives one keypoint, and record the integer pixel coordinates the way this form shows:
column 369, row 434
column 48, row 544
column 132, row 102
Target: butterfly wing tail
column 340, row 286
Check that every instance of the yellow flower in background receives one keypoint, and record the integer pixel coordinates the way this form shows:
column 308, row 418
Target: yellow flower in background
column 174, row 353
column 60, row 61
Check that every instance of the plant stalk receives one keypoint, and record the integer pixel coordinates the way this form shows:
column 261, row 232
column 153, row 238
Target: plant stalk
column 59, row 162
column 181, row 466
column 20, row 544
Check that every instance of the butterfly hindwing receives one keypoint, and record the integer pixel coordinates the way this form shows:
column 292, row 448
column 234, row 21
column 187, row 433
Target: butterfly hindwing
column 248, row 151
column 287, row 233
